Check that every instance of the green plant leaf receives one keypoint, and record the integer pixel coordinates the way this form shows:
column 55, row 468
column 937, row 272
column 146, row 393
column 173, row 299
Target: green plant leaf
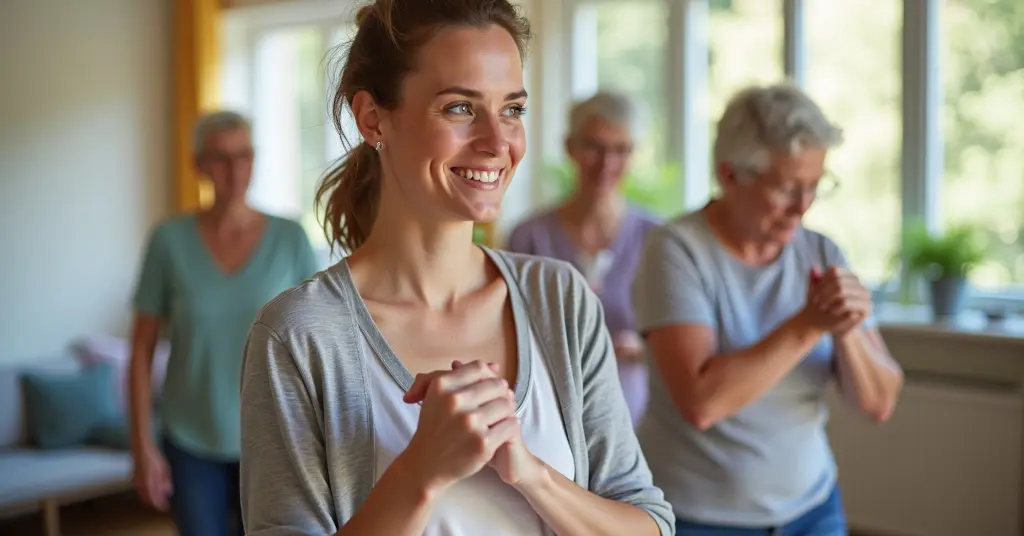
column 953, row 253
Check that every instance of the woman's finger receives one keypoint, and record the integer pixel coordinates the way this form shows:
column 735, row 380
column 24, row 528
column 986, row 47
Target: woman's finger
column 503, row 432
column 492, row 412
column 479, row 394
column 419, row 387
column 462, row 374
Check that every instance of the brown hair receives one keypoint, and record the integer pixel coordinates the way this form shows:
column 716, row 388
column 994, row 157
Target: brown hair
column 389, row 34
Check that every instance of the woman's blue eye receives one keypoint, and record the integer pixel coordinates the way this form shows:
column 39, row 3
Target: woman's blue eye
column 461, row 108
column 515, row 111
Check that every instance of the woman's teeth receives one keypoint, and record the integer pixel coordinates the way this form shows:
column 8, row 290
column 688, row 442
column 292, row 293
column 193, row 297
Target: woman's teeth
column 478, row 175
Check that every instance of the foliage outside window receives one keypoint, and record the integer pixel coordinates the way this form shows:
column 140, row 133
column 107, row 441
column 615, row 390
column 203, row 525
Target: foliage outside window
column 982, row 64
column 744, row 48
column 632, row 49
column 659, row 190
column 853, row 71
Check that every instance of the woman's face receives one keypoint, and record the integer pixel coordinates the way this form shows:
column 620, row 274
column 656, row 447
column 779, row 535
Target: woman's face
column 773, row 203
column 226, row 159
column 601, row 151
column 456, row 138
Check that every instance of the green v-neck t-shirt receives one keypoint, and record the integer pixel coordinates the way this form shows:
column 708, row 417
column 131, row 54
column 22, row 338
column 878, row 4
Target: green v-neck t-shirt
column 208, row 313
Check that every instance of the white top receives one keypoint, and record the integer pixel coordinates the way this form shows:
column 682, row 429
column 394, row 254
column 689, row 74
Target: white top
column 482, row 503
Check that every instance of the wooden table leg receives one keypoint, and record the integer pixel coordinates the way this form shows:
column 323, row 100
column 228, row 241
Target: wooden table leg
column 51, row 518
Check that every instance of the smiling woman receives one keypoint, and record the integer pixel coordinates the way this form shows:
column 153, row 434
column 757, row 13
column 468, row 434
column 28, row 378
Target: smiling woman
column 424, row 384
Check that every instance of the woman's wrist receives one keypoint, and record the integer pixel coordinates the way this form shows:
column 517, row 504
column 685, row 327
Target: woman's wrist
column 536, row 479
column 425, row 486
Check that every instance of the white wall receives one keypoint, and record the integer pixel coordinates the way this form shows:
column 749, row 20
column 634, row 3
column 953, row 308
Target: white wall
column 84, row 163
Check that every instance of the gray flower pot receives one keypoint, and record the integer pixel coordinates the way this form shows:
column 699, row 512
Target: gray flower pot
column 947, row 296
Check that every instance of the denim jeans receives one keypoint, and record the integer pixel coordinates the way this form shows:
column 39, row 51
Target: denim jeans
column 827, row 519
column 206, row 498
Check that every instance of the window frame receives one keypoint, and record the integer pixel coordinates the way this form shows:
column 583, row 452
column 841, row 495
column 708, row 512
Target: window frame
column 922, row 149
column 553, row 67
column 244, row 28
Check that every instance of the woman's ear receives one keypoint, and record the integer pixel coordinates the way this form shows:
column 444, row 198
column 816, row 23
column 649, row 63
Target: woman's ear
column 726, row 175
column 368, row 117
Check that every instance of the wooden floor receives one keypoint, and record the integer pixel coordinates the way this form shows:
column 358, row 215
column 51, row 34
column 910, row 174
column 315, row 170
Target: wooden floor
column 122, row 515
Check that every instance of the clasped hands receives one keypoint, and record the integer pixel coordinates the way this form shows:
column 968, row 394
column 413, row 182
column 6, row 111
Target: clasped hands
column 837, row 302
column 467, row 421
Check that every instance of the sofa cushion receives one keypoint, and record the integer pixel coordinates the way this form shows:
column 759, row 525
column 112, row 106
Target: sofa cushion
column 65, row 409
column 31, row 475
column 95, row 349
column 12, row 414
column 13, row 428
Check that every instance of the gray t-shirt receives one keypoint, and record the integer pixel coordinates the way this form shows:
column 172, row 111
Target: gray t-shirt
column 770, row 462
column 307, row 414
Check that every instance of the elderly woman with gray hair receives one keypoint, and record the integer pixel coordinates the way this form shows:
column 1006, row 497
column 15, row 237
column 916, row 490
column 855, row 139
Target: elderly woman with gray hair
column 748, row 316
column 596, row 230
column 204, row 277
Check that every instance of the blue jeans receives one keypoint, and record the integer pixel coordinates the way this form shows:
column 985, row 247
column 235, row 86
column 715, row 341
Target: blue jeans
column 827, row 519
column 206, row 499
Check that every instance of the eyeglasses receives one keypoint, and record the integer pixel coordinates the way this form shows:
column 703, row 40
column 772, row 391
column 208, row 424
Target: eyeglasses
column 223, row 159
column 593, row 148
column 780, row 195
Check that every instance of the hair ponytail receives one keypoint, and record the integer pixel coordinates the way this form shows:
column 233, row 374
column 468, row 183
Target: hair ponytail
column 350, row 193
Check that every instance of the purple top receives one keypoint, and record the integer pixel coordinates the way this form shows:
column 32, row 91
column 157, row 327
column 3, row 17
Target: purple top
column 544, row 235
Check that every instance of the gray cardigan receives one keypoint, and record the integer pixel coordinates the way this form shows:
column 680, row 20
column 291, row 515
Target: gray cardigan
column 307, row 435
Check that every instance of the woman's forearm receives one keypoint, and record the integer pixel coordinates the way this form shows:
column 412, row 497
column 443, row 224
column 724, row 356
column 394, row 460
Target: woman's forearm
column 139, row 397
column 573, row 511
column 398, row 505
column 869, row 377
column 728, row 382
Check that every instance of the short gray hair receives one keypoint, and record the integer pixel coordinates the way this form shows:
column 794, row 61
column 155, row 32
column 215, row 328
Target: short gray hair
column 761, row 120
column 611, row 106
column 214, row 122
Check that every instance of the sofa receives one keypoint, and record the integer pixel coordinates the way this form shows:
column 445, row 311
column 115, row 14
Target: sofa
column 63, row 429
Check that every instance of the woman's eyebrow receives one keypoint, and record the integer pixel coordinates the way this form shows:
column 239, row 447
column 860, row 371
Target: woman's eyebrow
column 474, row 94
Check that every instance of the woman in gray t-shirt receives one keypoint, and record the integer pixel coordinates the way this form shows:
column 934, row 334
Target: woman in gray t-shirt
column 748, row 316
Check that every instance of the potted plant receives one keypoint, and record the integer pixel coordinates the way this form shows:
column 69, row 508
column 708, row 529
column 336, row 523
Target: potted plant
column 944, row 260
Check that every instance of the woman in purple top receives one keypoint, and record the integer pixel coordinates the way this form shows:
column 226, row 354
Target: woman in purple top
column 596, row 230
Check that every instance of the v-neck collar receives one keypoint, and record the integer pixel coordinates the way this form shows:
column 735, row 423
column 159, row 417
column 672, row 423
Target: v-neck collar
column 615, row 246
column 400, row 373
column 254, row 256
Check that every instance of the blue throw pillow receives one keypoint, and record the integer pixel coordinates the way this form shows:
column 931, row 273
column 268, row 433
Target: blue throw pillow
column 116, row 434
column 64, row 409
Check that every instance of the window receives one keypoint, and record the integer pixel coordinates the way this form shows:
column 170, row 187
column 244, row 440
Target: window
column 279, row 76
column 982, row 63
column 744, row 48
column 287, row 114
column 853, row 71
column 631, row 40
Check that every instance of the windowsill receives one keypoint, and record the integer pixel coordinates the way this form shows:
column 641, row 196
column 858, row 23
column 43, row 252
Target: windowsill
column 961, row 353
column 970, row 325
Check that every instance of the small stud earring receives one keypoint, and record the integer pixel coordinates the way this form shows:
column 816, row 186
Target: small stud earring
column 379, row 146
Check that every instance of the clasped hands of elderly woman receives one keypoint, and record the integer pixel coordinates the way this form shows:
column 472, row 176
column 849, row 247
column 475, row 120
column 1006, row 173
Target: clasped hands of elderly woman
column 837, row 302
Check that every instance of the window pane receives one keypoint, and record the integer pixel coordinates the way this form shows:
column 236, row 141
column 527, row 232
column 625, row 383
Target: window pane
column 632, row 41
column 853, row 72
column 340, row 40
column 744, row 48
column 287, row 117
column 983, row 76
